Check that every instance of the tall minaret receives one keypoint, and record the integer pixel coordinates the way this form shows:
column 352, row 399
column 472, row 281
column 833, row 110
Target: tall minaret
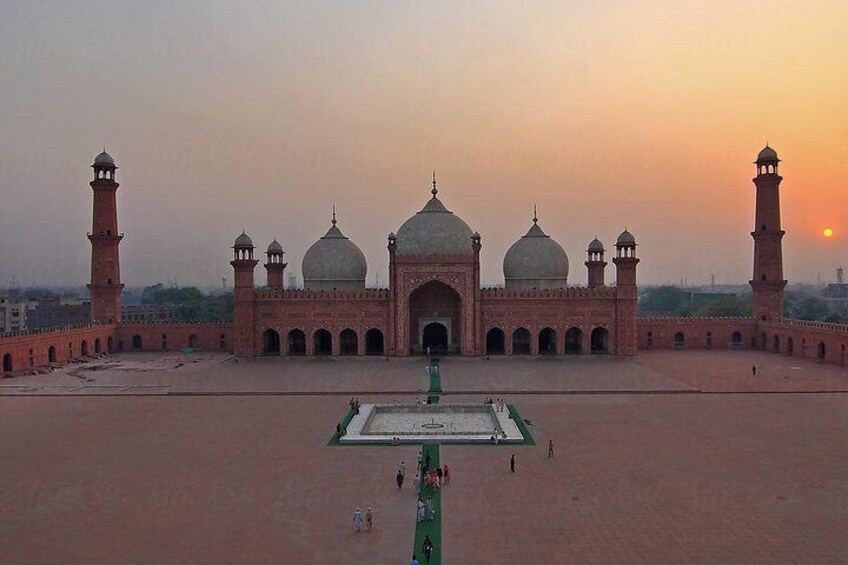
column 625, row 293
column 768, row 282
column 244, row 317
column 105, row 286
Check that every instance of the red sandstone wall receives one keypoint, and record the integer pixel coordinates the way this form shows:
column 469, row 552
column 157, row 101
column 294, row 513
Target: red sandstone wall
column 819, row 341
column 310, row 311
column 32, row 349
column 159, row 336
column 558, row 309
column 698, row 333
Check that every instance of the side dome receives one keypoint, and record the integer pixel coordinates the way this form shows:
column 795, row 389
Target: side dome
column 274, row 247
column 535, row 261
column 595, row 246
column 434, row 230
column 334, row 263
column 243, row 240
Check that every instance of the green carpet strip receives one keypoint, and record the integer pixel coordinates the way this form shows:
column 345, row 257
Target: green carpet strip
column 432, row 528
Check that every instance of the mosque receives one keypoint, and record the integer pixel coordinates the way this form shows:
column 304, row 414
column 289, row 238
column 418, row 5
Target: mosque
column 434, row 302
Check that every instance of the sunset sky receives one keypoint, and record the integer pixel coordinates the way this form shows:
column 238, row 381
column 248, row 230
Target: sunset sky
column 263, row 115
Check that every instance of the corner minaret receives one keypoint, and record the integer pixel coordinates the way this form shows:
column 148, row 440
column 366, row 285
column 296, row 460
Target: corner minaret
column 244, row 316
column 625, row 293
column 105, row 285
column 767, row 282
column 275, row 267
column 595, row 263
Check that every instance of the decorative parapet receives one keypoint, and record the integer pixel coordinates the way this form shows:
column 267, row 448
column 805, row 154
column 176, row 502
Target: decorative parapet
column 568, row 292
column 148, row 323
column 691, row 319
column 54, row 329
column 807, row 325
column 363, row 294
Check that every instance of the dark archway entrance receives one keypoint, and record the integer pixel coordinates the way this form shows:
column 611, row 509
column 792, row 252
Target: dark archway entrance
column 51, row 354
column 374, row 342
column 84, row 349
column 821, row 351
column 109, row 347
column 521, row 342
column 348, row 342
column 193, row 341
column 7, row 363
column 790, row 345
column 547, row 342
column 776, row 344
column 573, row 341
column 270, row 342
column 736, row 340
column 679, row 340
column 136, row 342
column 297, row 342
column 97, row 345
column 323, row 343
column 600, row 340
column 495, row 342
column 434, row 338
column 435, row 303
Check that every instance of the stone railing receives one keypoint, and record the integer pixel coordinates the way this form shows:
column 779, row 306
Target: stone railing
column 808, row 325
column 567, row 292
column 52, row 329
column 363, row 294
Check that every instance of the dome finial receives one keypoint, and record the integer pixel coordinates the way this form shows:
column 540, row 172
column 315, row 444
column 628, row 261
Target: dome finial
column 435, row 191
column 535, row 216
column 334, row 214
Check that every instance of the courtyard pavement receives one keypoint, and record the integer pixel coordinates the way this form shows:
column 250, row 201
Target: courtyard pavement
column 671, row 457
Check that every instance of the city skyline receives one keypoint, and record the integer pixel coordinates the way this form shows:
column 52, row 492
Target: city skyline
column 603, row 119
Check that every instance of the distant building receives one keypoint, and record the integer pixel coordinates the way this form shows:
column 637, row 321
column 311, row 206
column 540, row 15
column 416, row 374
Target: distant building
column 13, row 314
column 54, row 312
column 150, row 313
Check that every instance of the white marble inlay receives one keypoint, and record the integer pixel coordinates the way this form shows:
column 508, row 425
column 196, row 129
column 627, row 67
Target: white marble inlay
column 441, row 423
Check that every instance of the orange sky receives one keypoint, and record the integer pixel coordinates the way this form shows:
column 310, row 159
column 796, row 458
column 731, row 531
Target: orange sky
column 645, row 115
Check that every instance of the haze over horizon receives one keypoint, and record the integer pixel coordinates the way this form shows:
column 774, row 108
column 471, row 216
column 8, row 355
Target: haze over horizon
column 627, row 114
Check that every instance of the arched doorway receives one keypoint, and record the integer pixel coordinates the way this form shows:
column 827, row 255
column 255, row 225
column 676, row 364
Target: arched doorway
column 97, row 345
column 547, row 342
column 136, row 342
column 679, row 340
column 270, row 342
column 763, row 341
column 775, row 345
column 374, row 342
column 434, row 338
column 109, row 347
column 51, row 354
column 435, row 303
column 573, row 341
column 323, row 343
column 709, row 340
column 84, row 349
column 192, row 341
column 790, row 346
column 821, row 351
column 297, row 342
column 521, row 342
column 495, row 342
column 736, row 340
column 600, row 340
column 348, row 342
column 7, row 363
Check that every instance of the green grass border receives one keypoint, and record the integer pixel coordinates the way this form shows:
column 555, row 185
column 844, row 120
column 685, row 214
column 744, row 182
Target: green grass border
column 522, row 427
column 433, row 527
column 345, row 423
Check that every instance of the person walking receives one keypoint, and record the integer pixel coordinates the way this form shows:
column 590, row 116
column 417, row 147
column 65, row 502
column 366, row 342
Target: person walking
column 550, row 449
column 512, row 463
column 357, row 520
column 427, row 460
column 447, row 474
column 414, row 560
column 403, row 467
column 416, row 482
column 399, row 479
column 427, row 547
column 754, row 370
column 369, row 519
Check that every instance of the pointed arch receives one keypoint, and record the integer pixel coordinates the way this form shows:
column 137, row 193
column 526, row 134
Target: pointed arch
column 495, row 342
column 521, row 342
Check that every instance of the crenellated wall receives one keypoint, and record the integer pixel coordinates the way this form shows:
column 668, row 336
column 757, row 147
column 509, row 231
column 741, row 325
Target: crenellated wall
column 695, row 333
column 38, row 348
column 174, row 336
column 821, row 341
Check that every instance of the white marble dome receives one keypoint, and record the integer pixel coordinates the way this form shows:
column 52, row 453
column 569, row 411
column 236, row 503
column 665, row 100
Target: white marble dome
column 535, row 261
column 334, row 263
column 434, row 230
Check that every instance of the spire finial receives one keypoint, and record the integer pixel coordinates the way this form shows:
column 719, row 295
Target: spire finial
column 535, row 217
column 334, row 214
column 435, row 191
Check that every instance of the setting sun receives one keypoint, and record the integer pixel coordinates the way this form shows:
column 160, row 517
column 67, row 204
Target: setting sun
column 827, row 232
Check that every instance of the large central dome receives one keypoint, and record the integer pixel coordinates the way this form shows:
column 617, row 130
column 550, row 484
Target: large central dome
column 434, row 230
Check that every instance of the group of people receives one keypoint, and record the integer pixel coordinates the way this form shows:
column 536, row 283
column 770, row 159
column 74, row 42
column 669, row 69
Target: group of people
column 360, row 522
column 354, row 404
column 498, row 403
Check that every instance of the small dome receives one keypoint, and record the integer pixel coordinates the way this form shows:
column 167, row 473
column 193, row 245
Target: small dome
column 626, row 238
column 535, row 261
column 595, row 246
column 104, row 159
column 334, row 263
column 275, row 247
column 767, row 154
column 243, row 241
column 434, row 230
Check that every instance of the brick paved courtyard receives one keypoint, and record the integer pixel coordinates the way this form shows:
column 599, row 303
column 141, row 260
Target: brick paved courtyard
column 224, row 462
